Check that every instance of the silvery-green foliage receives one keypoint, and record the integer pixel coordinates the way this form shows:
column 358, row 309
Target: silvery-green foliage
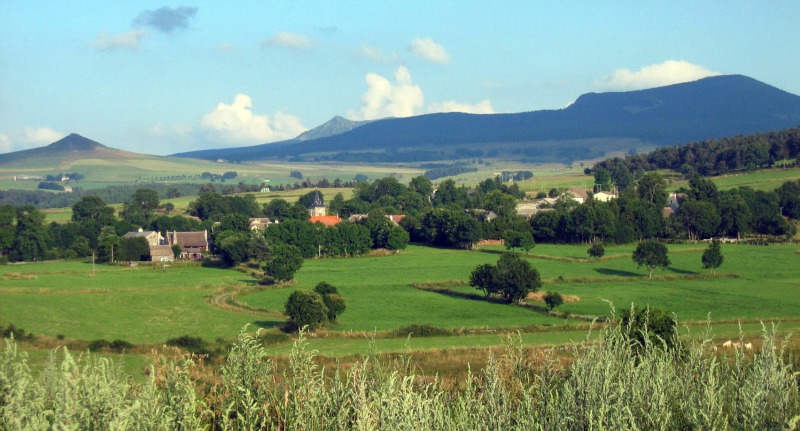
column 612, row 384
column 246, row 382
column 22, row 399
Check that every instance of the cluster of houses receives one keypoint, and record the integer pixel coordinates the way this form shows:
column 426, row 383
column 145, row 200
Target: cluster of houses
column 193, row 244
column 580, row 195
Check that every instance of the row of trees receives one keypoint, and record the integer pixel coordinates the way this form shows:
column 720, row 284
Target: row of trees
column 704, row 212
column 711, row 157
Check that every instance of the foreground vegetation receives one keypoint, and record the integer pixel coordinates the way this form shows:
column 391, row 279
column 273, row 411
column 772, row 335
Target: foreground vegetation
column 614, row 384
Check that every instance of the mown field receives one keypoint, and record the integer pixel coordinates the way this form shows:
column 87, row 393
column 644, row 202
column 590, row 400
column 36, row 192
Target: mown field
column 148, row 304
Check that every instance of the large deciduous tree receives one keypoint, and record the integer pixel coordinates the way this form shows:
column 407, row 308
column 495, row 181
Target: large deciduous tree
column 282, row 263
column 652, row 254
column 512, row 278
column 306, row 309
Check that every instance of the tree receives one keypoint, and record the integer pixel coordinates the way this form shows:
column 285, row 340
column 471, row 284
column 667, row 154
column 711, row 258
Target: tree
column 712, row 257
column 700, row 218
column 232, row 247
column 596, row 250
column 177, row 250
column 651, row 187
column 512, row 278
column 140, row 207
column 652, row 254
column 514, row 239
column 553, row 299
column 133, row 249
column 92, row 208
column 332, row 299
column 397, row 239
column 282, row 263
column 107, row 243
column 650, row 326
column 30, row 240
column 306, row 308
column 602, row 179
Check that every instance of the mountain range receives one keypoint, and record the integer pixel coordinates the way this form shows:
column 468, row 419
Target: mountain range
column 594, row 125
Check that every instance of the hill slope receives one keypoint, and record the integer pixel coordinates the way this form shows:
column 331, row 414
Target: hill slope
column 335, row 126
column 67, row 149
column 708, row 108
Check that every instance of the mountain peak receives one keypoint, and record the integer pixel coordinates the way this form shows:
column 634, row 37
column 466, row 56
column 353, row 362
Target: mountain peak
column 75, row 142
column 335, row 126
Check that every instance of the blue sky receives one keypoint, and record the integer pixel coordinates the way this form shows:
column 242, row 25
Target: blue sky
column 161, row 78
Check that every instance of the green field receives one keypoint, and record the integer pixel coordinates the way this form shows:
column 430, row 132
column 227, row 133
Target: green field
column 146, row 304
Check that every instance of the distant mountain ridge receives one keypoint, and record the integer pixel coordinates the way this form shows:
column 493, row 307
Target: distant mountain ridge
column 713, row 107
column 335, row 126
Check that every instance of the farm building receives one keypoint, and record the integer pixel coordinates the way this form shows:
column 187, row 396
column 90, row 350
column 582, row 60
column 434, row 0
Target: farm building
column 194, row 244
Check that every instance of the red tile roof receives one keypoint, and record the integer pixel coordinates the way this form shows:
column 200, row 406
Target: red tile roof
column 326, row 220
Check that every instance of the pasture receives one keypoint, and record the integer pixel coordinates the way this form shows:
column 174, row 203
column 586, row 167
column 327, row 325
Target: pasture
column 148, row 304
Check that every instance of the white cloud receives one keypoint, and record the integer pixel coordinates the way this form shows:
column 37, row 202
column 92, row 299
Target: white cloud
column 41, row 135
column 429, row 50
column 386, row 99
column 377, row 55
column 237, row 124
column 6, row 146
column 111, row 42
column 656, row 75
column 482, row 107
column 293, row 41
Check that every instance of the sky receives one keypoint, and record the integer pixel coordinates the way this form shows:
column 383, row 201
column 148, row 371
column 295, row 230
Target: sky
column 160, row 78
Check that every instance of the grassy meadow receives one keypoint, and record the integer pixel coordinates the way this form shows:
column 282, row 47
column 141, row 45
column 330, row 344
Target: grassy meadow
column 148, row 304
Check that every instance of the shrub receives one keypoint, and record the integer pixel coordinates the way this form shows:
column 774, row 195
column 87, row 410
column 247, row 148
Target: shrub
column 120, row 345
column 596, row 250
column 190, row 344
column 553, row 299
column 100, row 344
column 425, row 330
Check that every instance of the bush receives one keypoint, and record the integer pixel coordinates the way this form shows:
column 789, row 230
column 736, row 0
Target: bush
column 190, row 344
column 596, row 251
column 425, row 330
column 100, row 344
column 325, row 288
column 553, row 300
column 120, row 345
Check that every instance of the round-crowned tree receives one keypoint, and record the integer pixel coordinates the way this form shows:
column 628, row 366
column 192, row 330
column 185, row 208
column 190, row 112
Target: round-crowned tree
column 282, row 263
column 306, row 309
column 333, row 301
column 652, row 254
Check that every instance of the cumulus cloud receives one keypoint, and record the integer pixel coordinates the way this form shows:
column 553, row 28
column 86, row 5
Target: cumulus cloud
column 482, row 107
column 166, row 19
column 237, row 124
column 292, row 41
column 6, row 146
column 41, row 135
column 656, row 75
column 429, row 50
column 112, row 42
column 377, row 55
column 387, row 99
